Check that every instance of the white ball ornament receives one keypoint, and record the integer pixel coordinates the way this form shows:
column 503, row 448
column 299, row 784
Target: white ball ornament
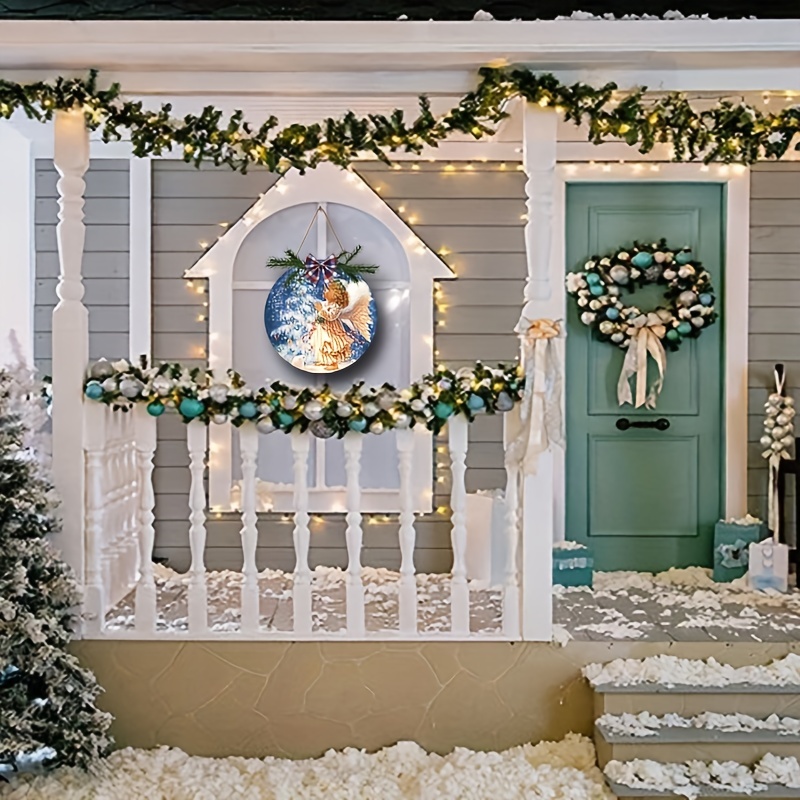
column 669, row 257
column 777, row 447
column 162, row 385
column 313, row 410
column 766, row 441
column 686, row 271
column 789, row 402
column 386, row 400
column 617, row 337
column 417, row 404
column 376, row 427
column 583, row 302
column 778, row 432
column 130, row 387
column 218, row 392
column 698, row 322
column 659, row 257
column 344, row 410
column 687, row 298
column 265, row 425
column 769, row 423
column 595, row 305
column 775, row 399
column 219, row 419
column 613, row 291
column 619, row 274
column 782, row 419
column 669, row 274
column 787, row 441
column 587, row 318
column 402, row 421
column 606, row 327
column 109, row 385
column 290, row 402
column 623, row 256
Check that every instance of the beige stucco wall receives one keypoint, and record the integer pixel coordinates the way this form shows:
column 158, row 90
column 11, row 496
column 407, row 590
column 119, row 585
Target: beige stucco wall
column 300, row 699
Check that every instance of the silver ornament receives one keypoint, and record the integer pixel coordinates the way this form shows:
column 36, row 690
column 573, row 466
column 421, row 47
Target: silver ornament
column 619, row 274
column 321, row 429
column 109, row 385
column 130, row 387
column 765, row 441
column 218, row 392
column 687, row 298
column 653, row 273
column 376, row 427
column 606, row 327
column 101, row 370
column 402, row 421
column 504, row 402
column 370, row 409
column 265, row 425
column 314, row 410
column 219, row 419
column 290, row 402
column 344, row 410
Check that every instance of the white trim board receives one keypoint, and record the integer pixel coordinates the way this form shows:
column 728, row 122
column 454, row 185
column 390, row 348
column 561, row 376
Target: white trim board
column 735, row 302
column 140, row 232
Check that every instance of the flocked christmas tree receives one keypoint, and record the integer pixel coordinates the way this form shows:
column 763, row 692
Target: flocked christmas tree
column 48, row 714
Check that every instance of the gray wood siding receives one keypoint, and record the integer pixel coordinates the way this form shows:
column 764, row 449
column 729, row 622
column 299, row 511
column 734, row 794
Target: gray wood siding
column 774, row 307
column 105, row 262
column 476, row 216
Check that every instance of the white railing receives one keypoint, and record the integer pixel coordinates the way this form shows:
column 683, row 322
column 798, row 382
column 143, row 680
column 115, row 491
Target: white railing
column 119, row 449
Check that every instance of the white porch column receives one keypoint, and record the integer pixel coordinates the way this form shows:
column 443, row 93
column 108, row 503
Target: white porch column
column 541, row 300
column 17, row 254
column 70, row 335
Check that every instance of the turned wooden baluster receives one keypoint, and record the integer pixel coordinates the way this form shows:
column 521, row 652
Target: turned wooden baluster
column 196, row 433
column 407, row 535
column 511, row 598
column 145, row 603
column 302, row 535
column 95, row 416
column 354, row 536
column 248, row 444
column 459, row 595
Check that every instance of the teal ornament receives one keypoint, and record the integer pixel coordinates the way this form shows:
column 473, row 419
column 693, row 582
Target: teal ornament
column 93, row 390
column 155, row 409
column 673, row 335
column 642, row 260
column 684, row 257
column 475, row 402
column 248, row 409
column 285, row 419
column 612, row 313
column 357, row 424
column 443, row 410
column 190, row 408
column 596, row 289
column 592, row 278
column 685, row 328
column 705, row 299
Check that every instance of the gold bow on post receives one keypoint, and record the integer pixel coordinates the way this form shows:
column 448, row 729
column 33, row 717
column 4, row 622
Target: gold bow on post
column 540, row 421
column 646, row 332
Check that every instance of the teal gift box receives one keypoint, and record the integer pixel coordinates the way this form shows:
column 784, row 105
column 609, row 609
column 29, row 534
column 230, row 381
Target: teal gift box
column 573, row 565
column 732, row 541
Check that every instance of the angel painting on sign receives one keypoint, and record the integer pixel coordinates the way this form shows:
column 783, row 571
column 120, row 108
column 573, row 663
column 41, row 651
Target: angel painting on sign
column 340, row 320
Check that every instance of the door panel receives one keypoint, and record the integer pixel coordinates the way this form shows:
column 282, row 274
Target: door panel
column 641, row 498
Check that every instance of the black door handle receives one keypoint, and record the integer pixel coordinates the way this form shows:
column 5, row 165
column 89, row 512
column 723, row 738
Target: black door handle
column 661, row 424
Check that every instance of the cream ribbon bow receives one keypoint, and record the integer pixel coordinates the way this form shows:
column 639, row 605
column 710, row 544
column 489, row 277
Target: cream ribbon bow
column 540, row 419
column 646, row 332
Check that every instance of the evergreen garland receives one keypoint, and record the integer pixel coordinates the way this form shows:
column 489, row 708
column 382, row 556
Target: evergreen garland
column 726, row 132
column 344, row 267
column 48, row 714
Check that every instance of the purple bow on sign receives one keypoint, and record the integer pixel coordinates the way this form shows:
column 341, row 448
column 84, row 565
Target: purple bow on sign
column 320, row 270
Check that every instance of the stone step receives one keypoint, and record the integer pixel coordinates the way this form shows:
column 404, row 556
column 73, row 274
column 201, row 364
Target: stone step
column 772, row 793
column 685, row 744
column 757, row 701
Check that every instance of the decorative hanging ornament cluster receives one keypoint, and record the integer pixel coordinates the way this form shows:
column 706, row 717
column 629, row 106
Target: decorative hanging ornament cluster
column 724, row 131
column 778, row 439
column 200, row 395
column 320, row 315
column 688, row 310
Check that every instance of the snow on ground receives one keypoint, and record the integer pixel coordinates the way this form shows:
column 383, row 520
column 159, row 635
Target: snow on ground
column 550, row 770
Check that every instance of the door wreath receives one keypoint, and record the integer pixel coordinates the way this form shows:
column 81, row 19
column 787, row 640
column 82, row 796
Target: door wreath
column 688, row 308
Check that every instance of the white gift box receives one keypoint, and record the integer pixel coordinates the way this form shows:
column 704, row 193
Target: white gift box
column 486, row 539
column 769, row 566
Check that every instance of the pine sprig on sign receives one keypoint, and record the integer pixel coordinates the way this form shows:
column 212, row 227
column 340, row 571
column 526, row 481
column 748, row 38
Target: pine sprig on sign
column 344, row 263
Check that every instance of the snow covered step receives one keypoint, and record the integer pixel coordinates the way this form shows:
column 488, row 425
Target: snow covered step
column 757, row 701
column 683, row 744
column 772, row 793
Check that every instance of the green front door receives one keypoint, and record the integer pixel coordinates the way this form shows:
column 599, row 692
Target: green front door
column 644, row 499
